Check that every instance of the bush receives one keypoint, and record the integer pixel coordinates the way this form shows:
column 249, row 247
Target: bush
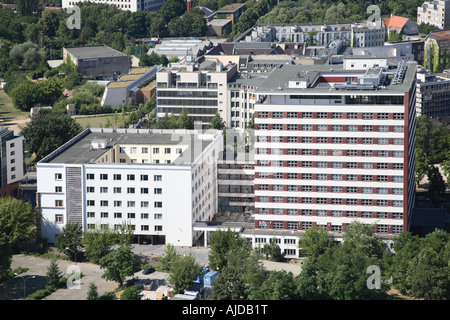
column 40, row 294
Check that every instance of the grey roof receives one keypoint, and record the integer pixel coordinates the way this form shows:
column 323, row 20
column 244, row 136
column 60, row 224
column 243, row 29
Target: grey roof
column 278, row 80
column 79, row 150
column 253, row 45
column 91, row 52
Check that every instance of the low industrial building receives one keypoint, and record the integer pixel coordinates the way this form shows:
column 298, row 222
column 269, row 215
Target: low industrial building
column 98, row 62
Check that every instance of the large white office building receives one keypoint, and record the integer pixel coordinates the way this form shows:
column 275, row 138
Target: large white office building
column 130, row 5
column 160, row 182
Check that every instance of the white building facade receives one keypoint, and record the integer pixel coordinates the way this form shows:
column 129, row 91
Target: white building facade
column 154, row 181
column 130, row 5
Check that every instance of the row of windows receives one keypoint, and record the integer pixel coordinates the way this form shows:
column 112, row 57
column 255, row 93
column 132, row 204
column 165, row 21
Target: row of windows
column 332, row 213
column 363, row 202
column 130, row 190
column 118, row 177
column 304, row 225
column 145, row 150
column 335, row 189
column 332, row 164
column 363, row 153
column 330, row 115
column 329, row 127
column 348, row 140
column 91, row 226
column 334, row 152
column 324, row 176
column 118, row 203
column 235, row 166
column 130, row 215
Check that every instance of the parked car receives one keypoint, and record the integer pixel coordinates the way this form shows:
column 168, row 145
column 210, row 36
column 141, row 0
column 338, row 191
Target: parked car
column 148, row 270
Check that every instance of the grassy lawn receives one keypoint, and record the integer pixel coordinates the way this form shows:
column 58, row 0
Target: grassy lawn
column 100, row 122
column 10, row 115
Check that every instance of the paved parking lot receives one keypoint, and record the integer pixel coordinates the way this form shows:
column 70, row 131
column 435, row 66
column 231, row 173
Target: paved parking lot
column 34, row 279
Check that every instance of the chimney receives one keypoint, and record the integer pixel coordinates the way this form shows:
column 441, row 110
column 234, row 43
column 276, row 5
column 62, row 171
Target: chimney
column 188, row 5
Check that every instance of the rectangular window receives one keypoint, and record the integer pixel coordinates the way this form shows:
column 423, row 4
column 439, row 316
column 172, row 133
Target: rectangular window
column 157, row 177
column 158, row 204
column 117, row 177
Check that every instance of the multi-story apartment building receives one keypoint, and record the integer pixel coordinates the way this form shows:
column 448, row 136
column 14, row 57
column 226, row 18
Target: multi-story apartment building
column 318, row 34
column 130, row 5
column 435, row 13
column 433, row 95
column 241, row 99
column 11, row 162
column 159, row 182
column 199, row 87
column 333, row 146
column 436, row 56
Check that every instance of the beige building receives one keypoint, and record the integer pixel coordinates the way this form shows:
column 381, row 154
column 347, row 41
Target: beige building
column 435, row 13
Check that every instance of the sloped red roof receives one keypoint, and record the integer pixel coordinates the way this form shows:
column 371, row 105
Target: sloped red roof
column 395, row 23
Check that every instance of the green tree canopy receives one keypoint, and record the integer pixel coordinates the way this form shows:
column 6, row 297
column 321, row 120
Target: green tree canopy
column 242, row 274
column 53, row 275
column 97, row 243
column 18, row 220
column 221, row 243
column 47, row 132
column 315, row 241
column 216, row 122
column 69, row 240
column 183, row 271
column 119, row 264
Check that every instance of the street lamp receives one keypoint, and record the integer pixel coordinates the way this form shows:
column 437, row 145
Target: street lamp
column 76, row 252
column 25, row 283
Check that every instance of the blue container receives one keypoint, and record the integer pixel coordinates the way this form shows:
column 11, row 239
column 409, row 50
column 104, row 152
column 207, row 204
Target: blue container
column 210, row 277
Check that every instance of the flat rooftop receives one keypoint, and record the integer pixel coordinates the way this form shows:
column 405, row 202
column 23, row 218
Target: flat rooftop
column 79, row 150
column 278, row 81
column 93, row 52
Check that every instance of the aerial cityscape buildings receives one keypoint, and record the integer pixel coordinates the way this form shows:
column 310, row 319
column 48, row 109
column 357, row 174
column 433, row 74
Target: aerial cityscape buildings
column 291, row 126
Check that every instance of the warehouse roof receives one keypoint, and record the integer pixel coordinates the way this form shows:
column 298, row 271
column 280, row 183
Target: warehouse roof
column 92, row 52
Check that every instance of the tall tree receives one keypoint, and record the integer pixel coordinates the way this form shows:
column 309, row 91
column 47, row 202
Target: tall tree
column 242, row 275
column 49, row 22
column 18, row 220
column 437, row 184
column 315, row 241
column 183, row 271
column 278, row 286
column 97, row 243
column 47, row 132
column 119, row 264
column 69, row 240
column 216, row 122
column 53, row 275
column 6, row 254
column 221, row 243
column 184, row 121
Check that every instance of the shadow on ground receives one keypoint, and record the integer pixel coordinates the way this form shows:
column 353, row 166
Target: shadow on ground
column 19, row 287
